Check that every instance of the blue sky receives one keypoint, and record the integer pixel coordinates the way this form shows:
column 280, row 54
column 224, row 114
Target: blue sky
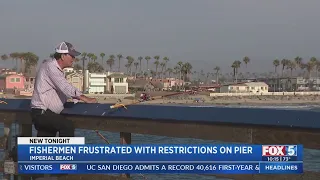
column 206, row 33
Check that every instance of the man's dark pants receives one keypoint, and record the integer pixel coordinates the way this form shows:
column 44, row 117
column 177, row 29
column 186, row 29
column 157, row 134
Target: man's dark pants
column 48, row 123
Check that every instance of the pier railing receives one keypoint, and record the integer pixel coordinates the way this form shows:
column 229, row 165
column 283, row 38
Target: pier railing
column 228, row 124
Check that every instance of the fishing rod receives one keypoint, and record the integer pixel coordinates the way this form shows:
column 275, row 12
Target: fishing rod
column 137, row 101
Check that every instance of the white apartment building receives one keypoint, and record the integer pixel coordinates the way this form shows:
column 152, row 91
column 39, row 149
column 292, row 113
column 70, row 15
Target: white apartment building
column 250, row 87
column 118, row 83
column 109, row 82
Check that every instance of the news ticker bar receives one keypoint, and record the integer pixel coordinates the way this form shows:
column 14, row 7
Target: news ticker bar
column 160, row 152
column 169, row 168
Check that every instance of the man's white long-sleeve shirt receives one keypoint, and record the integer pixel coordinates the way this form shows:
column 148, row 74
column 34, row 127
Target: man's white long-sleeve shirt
column 51, row 89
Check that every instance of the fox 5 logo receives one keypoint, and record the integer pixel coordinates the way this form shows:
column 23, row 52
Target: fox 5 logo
column 282, row 150
column 68, row 167
column 291, row 150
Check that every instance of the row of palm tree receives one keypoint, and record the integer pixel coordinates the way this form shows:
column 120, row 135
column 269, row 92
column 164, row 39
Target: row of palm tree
column 235, row 66
column 308, row 67
column 160, row 70
column 313, row 65
column 89, row 61
column 27, row 60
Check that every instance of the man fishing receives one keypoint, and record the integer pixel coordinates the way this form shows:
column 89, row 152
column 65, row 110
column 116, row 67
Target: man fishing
column 51, row 91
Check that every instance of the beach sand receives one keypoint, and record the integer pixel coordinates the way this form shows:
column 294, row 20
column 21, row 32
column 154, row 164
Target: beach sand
column 205, row 99
column 249, row 100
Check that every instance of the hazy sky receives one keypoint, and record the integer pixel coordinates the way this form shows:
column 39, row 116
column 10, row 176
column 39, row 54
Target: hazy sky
column 206, row 33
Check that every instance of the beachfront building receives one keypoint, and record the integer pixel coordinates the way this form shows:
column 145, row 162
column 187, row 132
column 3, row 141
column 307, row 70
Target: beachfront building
column 117, row 83
column 293, row 84
column 104, row 83
column 234, row 88
column 250, row 87
column 12, row 82
column 257, row 87
column 75, row 78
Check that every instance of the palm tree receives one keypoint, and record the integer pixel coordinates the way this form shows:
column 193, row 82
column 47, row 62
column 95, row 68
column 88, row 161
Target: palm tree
column 177, row 72
column 309, row 67
column 140, row 59
column 162, row 64
column 14, row 57
column 246, row 60
column 180, row 64
column 207, row 77
column 170, row 71
column 284, row 63
column 276, row 63
column 130, row 60
column 298, row 61
column 110, row 62
column 187, row 67
column 236, row 65
column 83, row 58
column 147, row 58
column 30, row 60
column 102, row 56
column 90, row 55
column 291, row 65
column 136, row 64
column 94, row 58
column 119, row 56
column 157, row 64
column 166, row 60
column 217, row 69
column 313, row 60
column 21, row 56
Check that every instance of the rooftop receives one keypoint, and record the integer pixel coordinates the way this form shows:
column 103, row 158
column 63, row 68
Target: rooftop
column 117, row 75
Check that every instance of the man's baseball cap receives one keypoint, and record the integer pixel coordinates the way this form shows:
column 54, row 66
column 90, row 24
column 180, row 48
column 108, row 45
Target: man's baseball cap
column 67, row 48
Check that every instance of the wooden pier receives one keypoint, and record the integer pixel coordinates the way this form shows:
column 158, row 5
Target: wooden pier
column 228, row 124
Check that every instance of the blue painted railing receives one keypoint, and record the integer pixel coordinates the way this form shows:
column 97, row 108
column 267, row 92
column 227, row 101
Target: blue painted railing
column 288, row 118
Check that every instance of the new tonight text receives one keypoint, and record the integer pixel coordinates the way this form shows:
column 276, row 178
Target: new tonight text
column 140, row 150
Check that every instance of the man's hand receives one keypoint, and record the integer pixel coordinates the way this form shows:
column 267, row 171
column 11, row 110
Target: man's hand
column 91, row 100
column 87, row 99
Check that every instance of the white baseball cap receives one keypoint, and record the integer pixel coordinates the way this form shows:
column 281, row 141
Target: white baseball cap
column 67, row 48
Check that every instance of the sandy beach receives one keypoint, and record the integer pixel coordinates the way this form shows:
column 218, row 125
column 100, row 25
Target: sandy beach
column 205, row 99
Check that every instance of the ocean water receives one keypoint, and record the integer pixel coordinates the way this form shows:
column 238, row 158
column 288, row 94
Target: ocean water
column 311, row 157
